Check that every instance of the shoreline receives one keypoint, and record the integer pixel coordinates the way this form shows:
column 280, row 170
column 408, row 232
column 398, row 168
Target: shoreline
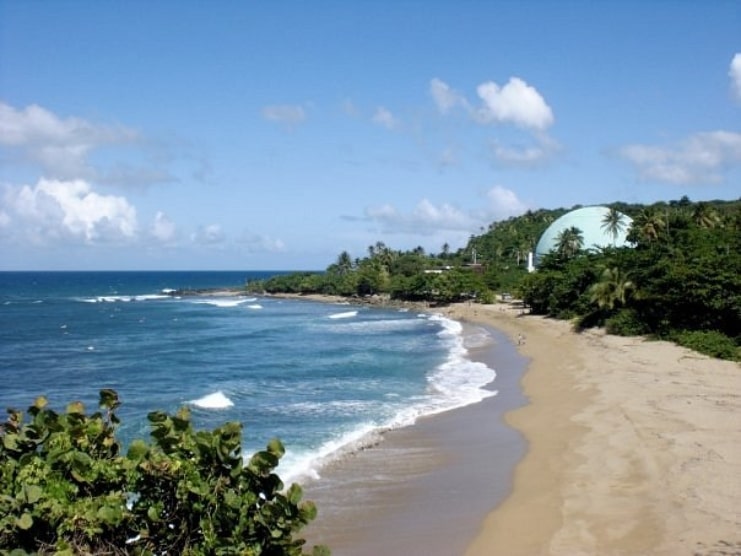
column 424, row 489
column 634, row 446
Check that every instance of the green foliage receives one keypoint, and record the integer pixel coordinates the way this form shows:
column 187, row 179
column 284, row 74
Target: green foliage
column 626, row 322
column 709, row 342
column 682, row 273
column 65, row 487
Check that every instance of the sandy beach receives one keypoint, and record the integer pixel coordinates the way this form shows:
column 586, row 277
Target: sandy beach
column 634, row 446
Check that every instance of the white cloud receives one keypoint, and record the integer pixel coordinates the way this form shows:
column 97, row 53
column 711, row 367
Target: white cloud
column 258, row 243
column 163, row 229
column 503, row 203
column 53, row 210
column 288, row 114
column 735, row 75
column 385, row 118
column 211, row 234
column 445, row 97
column 525, row 156
column 59, row 145
column 702, row 158
column 517, row 103
column 425, row 219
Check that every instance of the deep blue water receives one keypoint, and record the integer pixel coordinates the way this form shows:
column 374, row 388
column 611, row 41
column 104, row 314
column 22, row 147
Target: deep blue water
column 322, row 377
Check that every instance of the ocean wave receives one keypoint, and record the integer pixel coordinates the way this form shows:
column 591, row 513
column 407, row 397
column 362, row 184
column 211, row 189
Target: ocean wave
column 123, row 298
column 455, row 383
column 345, row 315
column 220, row 302
column 217, row 400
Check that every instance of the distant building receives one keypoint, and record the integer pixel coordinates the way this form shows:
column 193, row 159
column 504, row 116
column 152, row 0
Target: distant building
column 590, row 220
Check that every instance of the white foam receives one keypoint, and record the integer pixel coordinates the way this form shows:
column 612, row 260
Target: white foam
column 345, row 315
column 123, row 298
column 254, row 306
column 217, row 400
column 455, row 383
column 221, row 302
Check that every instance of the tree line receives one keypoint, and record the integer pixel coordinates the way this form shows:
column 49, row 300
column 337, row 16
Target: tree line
column 679, row 279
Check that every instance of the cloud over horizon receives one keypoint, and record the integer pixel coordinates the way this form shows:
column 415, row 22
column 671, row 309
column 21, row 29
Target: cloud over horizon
column 701, row 158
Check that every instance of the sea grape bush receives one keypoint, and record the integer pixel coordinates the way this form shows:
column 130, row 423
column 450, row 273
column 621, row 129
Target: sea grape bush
column 66, row 488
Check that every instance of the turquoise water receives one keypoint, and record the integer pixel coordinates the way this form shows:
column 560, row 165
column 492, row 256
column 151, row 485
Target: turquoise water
column 323, row 378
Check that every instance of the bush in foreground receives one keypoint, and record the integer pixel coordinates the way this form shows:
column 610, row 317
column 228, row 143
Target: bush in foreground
column 65, row 488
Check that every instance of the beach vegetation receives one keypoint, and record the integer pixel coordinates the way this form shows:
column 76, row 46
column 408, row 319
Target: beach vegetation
column 709, row 342
column 681, row 271
column 67, row 487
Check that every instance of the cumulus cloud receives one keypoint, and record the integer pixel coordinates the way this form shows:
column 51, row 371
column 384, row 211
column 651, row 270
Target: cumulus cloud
column 525, row 155
column 59, row 145
column 385, row 118
column 702, row 158
column 258, row 243
column 445, row 97
column 503, row 203
column 163, row 229
column 209, row 235
column 425, row 219
column 516, row 102
column 288, row 114
column 735, row 75
column 61, row 210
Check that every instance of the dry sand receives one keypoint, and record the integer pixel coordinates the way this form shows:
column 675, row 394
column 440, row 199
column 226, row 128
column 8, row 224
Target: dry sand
column 634, row 446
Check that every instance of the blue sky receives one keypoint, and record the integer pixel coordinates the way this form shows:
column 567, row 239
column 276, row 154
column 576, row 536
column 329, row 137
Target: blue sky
column 274, row 135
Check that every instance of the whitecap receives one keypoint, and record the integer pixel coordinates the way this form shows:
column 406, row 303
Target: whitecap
column 345, row 315
column 255, row 306
column 221, row 302
column 217, row 400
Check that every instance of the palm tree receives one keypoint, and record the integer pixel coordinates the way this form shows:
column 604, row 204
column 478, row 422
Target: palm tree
column 613, row 289
column 705, row 216
column 344, row 263
column 614, row 223
column 649, row 224
column 570, row 241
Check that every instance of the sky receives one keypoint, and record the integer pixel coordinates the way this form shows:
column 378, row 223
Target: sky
column 253, row 135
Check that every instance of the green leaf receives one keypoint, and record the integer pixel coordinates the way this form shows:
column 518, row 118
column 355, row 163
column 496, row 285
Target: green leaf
column 112, row 515
column 137, row 450
column 33, row 493
column 10, row 441
column 276, row 448
column 153, row 513
column 76, row 408
column 109, row 399
column 25, row 522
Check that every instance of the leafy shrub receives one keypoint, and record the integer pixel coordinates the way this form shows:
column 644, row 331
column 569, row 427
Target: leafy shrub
column 626, row 322
column 66, row 488
column 709, row 342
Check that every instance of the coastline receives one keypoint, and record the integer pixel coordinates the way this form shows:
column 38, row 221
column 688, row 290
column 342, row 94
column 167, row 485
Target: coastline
column 634, row 446
column 424, row 489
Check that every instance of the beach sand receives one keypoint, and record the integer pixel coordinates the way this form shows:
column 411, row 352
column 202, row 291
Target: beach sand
column 634, row 446
column 631, row 447
column 424, row 490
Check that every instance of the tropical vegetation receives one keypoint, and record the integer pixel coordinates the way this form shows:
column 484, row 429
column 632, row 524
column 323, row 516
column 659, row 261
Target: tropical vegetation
column 680, row 278
column 66, row 487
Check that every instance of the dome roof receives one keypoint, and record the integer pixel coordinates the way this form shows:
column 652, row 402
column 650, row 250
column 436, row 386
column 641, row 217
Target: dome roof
column 590, row 220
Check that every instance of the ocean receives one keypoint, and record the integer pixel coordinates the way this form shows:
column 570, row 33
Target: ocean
column 324, row 378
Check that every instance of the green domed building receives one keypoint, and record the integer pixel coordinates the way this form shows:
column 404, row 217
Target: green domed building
column 591, row 222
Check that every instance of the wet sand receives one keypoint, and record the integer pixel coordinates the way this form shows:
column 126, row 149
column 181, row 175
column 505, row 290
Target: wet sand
column 633, row 447
column 424, row 490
